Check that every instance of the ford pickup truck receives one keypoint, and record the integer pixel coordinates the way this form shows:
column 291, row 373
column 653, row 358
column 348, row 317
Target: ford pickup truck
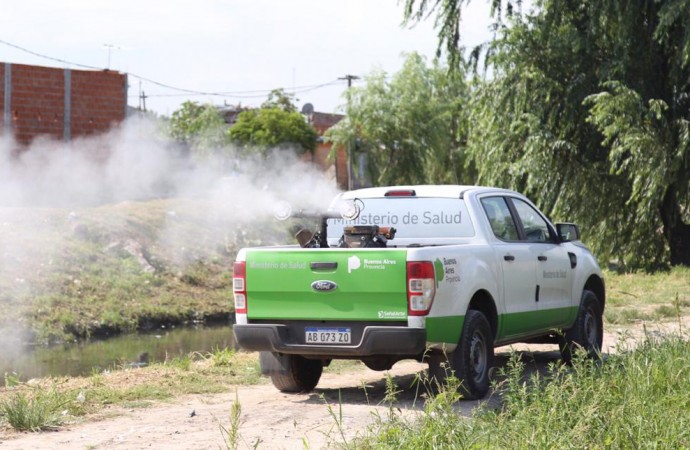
column 441, row 274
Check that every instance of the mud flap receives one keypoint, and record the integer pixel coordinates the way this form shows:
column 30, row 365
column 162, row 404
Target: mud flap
column 274, row 363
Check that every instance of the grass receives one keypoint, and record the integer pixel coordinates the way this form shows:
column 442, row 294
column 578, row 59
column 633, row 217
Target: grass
column 231, row 433
column 49, row 402
column 46, row 403
column 634, row 399
column 644, row 297
column 34, row 411
column 343, row 365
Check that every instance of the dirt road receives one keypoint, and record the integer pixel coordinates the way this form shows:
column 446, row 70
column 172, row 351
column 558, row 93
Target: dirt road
column 269, row 419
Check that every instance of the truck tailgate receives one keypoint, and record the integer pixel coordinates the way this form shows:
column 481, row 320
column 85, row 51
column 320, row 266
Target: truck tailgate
column 326, row 284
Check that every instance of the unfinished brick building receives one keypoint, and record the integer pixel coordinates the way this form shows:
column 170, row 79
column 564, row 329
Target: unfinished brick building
column 337, row 167
column 59, row 103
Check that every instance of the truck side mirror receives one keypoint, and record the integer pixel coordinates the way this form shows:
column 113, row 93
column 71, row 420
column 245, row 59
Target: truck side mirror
column 568, row 232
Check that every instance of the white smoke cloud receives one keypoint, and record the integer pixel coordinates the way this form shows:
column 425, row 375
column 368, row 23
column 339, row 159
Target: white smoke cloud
column 47, row 188
column 135, row 161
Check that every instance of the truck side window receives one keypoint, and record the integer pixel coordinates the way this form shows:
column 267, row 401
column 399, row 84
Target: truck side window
column 535, row 226
column 502, row 223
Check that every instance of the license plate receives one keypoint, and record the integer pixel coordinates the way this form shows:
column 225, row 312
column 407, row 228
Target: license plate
column 314, row 335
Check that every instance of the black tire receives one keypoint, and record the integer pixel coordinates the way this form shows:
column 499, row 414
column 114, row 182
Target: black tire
column 473, row 358
column 588, row 330
column 471, row 361
column 302, row 375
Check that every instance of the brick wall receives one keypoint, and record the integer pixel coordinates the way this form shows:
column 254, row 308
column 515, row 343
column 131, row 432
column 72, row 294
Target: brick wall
column 60, row 103
column 99, row 99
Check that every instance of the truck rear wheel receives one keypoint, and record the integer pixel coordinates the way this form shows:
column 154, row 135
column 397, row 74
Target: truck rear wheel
column 299, row 375
column 474, row 356
column 471, row 361
column 588, row 330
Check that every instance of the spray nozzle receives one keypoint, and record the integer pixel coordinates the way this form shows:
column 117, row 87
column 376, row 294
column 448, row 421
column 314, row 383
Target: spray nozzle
column 345, row 209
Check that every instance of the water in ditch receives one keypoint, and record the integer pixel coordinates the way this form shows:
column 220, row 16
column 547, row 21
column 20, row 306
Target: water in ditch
column 26, row 361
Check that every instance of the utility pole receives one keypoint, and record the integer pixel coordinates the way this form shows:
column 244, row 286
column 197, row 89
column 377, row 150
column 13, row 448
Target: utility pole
column 350, row 149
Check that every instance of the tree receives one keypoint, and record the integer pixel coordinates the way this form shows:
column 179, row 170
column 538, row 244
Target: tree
column 588, row 111
column 200, row 126
column 449, row 18
column 412, row 128
column 277, row 123
column 279, row 99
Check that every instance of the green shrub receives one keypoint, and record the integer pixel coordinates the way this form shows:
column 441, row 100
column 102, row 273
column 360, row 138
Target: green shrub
column 665, row 311
column 623, row 316
column 34, row 411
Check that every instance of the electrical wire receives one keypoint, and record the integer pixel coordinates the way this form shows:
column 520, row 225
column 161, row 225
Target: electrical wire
column 26, row 50
column 184, row 92
column 252, row 94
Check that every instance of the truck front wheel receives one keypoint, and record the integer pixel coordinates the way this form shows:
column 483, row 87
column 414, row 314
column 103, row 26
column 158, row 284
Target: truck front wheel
column 296, row 374
column 588, row 330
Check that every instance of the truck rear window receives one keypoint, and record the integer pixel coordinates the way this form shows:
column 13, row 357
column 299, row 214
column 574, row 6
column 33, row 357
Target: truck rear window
column 413, row 218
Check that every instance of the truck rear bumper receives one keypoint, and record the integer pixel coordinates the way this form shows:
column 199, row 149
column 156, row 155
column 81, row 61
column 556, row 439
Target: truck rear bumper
column 376, row 340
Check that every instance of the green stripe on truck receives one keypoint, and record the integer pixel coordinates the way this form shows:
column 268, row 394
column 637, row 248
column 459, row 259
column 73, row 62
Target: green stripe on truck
column 444, row 329
column 448, row 329
column 517, row 324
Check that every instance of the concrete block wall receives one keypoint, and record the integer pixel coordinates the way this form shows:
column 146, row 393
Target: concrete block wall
column 59, row 103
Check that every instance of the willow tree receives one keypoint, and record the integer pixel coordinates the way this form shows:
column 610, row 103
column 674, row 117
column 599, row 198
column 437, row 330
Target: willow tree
column 411, row 126
column 588, row 111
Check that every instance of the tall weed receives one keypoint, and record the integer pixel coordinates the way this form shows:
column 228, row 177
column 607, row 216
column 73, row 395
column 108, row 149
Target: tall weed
column 34, row 411
column 637, row 398
column 231, row 434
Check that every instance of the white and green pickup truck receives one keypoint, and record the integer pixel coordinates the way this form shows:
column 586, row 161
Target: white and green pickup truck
column 441, row 274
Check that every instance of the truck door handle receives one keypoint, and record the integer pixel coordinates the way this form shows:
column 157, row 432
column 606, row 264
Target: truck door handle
column 542, row 258
column 323, row 265
column 509, row 257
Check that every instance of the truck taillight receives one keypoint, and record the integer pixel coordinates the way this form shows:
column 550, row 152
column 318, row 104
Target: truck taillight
column 239, row 286
column 421, row 287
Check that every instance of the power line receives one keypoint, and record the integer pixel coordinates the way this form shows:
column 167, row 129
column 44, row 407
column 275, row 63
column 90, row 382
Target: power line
column 26, row 50
column 233, row 94
column 253, row 93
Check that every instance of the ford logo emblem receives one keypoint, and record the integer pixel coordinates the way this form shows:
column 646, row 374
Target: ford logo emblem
column 324, row 286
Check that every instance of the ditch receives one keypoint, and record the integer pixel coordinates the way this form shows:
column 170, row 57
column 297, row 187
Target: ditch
column 25, row 361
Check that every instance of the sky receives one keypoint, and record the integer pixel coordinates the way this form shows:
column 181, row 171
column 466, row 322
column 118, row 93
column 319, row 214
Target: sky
column 240, row 48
